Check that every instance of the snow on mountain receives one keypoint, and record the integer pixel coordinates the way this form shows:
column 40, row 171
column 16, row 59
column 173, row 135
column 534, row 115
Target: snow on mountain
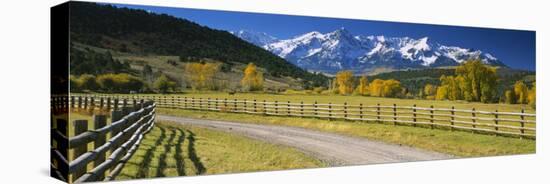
column 256, row 38
column 341, row 50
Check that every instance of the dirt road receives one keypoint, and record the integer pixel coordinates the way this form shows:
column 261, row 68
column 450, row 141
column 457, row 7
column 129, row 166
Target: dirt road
column 332, row 148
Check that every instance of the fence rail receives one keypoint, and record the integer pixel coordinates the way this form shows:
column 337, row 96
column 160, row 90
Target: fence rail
column 519, row 123
column 72, row 156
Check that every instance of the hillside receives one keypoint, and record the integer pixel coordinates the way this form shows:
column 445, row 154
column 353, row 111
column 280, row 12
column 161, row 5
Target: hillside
column 88, row 59
column 141, row 33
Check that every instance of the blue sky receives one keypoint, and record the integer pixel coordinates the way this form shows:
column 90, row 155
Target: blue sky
column 516, row 48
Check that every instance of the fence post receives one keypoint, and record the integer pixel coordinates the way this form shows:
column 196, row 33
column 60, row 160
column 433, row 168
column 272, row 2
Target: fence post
column 79, row 126
column 217, row 107
column 134, row 104
column 522, row 130
column 115, row 108
column 173, row 105
column 378, row 112
column 66, row 102
column 254, row 106
column 276, row 109
column 92, row 104
column 394, row 114
column 200, row 103
column 414, row 115
column 108, row 103
column 86, row 103
column 496, row 122
column 302, row 109
column 265, row 109
column 345, row 110
column 315, row 108
column 234, row 105
column 245, row 108
column 452, row 118
column 178, row 104
column 361, row 111
column 185, row 102
column 473, row 119
column 124, row 103
column 431, row 116
column 288, row 108
column 329, row 110
column 100, row 121
column 101, row 103
column 79, row 102
column 208, row 103
column 72, row 102
column 115, row 116
column 225, row 104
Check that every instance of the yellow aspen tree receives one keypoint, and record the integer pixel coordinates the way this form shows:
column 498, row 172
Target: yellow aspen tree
column 345, row 82
column 200, row 75
column 253, row 79
column 363, row 87
column 430, row 90
column 521, row 91
column 375, row 87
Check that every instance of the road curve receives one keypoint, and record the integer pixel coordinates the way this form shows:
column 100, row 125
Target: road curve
column 336, row 150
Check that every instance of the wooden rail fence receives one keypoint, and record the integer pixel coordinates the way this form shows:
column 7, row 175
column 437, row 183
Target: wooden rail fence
column 519, row 124
column 73, row 159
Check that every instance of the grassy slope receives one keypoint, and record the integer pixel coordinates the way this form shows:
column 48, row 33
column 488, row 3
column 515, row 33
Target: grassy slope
column 160, row 63
column 176, row 150
column 457, row 143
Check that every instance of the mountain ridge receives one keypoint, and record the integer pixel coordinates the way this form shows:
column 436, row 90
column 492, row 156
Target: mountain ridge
column 341, row 50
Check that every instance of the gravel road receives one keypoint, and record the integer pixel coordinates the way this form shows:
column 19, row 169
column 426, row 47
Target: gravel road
column 335, row 149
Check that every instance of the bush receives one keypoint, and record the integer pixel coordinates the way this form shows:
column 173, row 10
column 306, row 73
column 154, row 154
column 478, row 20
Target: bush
column 318, row 90
column 87, row 82
column 163, row 84
column 120, row 83
column 74, row 83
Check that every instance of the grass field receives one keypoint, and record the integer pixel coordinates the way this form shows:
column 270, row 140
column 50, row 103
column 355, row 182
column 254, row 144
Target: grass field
column 462, row 144
column 171, row 149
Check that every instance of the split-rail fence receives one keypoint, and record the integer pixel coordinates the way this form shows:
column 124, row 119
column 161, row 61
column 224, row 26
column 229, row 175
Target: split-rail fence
column 517, row 124
column 74, row 159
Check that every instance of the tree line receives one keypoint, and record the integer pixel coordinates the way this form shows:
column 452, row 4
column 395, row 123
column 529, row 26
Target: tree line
column 477, row 82
column 346, row 84
column 472, row 81
column 199, row 76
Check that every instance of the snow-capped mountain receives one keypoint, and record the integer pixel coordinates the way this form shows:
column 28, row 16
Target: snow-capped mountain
column 256, row 38
column 341, row 50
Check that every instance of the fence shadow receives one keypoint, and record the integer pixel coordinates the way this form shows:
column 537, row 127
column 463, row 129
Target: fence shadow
column 180, row 167
column 162, row 157
column 193, row 155
column 147, row 158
